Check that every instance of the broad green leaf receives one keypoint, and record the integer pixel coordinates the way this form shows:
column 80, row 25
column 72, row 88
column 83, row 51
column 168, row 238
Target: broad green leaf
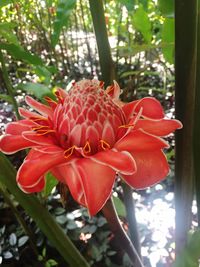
column 19, row 53
column 6, row 98
column 51, row 182
column 44, row 74
column 168, row 36
column 119, row 205
column 191, row 253
column 166, row 7
column 6, row 31
column 64, row 9
column 37, row 89
column 142, row 23
column 5, row 2
column 145, row 4
column 129, row 4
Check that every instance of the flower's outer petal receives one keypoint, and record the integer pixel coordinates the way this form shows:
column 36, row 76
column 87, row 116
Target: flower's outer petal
column 36, row 188
column 49, row 149
column 37, row 139
column 62, row 92
column 27, row 113
column 121, row 161
column 113, row 90
column 16, row 128
column 67, row 174
column 152, row 167
column 35, row 165
column 10, row 144
column 97, row 181
column 160, row 127
column 41, row 108
column 138, row 140
column 151, row 108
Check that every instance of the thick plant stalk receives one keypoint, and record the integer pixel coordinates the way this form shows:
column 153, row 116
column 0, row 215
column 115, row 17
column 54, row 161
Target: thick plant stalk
column 8, row 84
column 105, row 58
column 41, row 216
column 117, row 229
column 132, row 223
column 185, row 71
column 196, row 139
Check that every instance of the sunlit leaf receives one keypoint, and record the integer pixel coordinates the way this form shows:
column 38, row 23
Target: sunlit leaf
column 142, row 23
column 129, row 4
column 19, row 53
column 119, row 205
column 64, row 9
column 5, row 2
column 168, row 36
column 51, row 182
column 37, row 89
column 166, row 7
column 6, row 31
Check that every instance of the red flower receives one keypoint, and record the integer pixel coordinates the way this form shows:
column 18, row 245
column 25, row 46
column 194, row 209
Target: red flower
column 88, row 136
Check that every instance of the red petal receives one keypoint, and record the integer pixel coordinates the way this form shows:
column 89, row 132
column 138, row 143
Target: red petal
column 97, row 181
column 160, row 128
column 113, row 90
column 121, row 162
column 151, row 108
column 16, row 128
column 36, row 188
column 37, row 139
column 43, row 109
column 10, row 144
column 67, row 174
column 138, row 140
column 28, row 114
column 35, row 165
column 152, row 167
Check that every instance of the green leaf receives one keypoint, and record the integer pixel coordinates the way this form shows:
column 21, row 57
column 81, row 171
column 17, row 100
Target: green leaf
column 52, row 262
column 6, row 98
column 19, row 53
column 142, row 23
column 64, row 9
column 51, row 182
column 37, row 89
column 6, row 31
column 5, row 2
column 166, row 7
column 129, row 4
column 190, row 255
column 43, row 73
column 168, row 35
column 119, row 205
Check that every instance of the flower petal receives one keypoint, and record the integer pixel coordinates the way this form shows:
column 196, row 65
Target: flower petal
column 160, row 127
column 97, row 182
column 37, row 139
column 138, row 140
column 16, row 128
column 66, row 174
column 35, row 165
column 10, row 144
column 43, row 109
column 152, row 167
column 151, row 108
column 36, row 188
column 121, row 162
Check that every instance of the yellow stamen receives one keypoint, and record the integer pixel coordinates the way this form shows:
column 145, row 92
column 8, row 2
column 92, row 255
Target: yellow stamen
column 126, row 126
column 69, row 152
column 104, row 145
column 87, row 148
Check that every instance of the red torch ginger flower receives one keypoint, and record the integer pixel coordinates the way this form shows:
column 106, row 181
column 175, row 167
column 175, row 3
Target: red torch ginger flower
column 86, row 137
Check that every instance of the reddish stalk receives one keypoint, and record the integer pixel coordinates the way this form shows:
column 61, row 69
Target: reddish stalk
column 112, row 218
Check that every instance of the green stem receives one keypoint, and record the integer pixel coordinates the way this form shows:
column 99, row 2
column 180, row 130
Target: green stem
column 105, row 58
column 111, row 216
column 185, row 72
column 196, row 139
column 8, row 84
column 41, row 216
column 130, row 211
column 18, row 216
